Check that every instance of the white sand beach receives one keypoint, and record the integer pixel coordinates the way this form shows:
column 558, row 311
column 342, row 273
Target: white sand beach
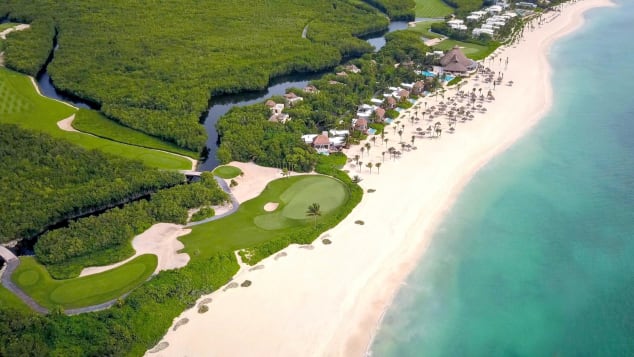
column 328, row 301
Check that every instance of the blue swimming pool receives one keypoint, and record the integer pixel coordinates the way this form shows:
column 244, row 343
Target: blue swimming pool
column 428, row 74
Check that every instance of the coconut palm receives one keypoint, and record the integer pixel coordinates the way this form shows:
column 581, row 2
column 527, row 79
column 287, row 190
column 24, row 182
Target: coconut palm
column 386, row 140
column 383, row 156
column 368, row 146
column 400, row 134
column 413, row 138
column 362, row 150
column 369, row 165
column 356, row 159
column 378, row 167
column 360, row 165
column 373, row 139
column 314, row 210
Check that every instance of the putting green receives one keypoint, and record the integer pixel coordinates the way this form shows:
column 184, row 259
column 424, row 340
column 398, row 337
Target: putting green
column 227, row 171
column 35, row 280
column 294, row 201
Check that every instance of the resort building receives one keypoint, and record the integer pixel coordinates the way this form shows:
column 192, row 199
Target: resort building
column 292, row 98
column 352, row 68
column 456, row 62
column 310, row 89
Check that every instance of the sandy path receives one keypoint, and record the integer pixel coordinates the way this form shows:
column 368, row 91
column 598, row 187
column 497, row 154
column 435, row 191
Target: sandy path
column 328, row 301
column 160, row 240
column 20, row 27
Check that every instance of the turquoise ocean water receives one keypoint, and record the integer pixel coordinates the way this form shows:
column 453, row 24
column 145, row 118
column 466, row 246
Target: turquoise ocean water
column 537, row 256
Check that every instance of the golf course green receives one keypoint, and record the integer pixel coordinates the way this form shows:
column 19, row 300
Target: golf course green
column 35, row 280
column 252, row 224
column 227, row 172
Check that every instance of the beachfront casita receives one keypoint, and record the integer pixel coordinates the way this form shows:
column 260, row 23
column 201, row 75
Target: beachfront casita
column 455, row 62
column 327, row 141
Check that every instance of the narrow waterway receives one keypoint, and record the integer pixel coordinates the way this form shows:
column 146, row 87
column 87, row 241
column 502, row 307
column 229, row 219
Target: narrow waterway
column 222, row 104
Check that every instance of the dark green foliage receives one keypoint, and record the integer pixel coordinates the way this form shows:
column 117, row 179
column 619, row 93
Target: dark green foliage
column 203, row 213
column 44, row 180
column 158, row 75
column 247, row 135
column 128, row 328
column 404, row 46
column 310, row 233
column 27, row 51
column 464, row 6
column 105, row 239
column 395, row 9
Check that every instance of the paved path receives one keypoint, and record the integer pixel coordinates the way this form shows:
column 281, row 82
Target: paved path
column 13, row 261
column 12, row 264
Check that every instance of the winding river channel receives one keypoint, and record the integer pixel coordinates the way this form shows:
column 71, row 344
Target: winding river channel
column 222, row 104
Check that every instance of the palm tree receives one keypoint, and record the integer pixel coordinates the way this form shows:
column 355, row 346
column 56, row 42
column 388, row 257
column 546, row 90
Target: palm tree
column 369, row 166
column 360, row 165
column 378, row 167
column 368, row 146
column 413, row 138
column 314, row 210
column 373, row 139
column 386, row 140
column 383, row 156
column 362, row 150
column 356, row 159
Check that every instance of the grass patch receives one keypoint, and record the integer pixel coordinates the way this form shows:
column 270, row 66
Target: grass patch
column 20, row 104
column 33, row 278
column 252, row 225
column 95, row 123
column 9, row 299
column 424, row 28
column 471, row 50
column 432, row 8
column 227, row 172
column 7, row 25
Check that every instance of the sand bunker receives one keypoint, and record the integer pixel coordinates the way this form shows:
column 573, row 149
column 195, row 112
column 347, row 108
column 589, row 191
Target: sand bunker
column 271, row 206
column 160, row 240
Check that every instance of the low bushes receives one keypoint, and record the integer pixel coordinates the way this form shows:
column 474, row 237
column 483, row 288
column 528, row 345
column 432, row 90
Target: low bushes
column 27, row 51
column 104, row 239
column 203, row 213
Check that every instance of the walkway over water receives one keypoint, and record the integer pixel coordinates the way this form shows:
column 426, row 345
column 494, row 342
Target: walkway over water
column 190, row 173
column 6, row 254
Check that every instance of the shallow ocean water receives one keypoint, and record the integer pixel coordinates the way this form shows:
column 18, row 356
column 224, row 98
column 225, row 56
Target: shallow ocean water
column 537, row 256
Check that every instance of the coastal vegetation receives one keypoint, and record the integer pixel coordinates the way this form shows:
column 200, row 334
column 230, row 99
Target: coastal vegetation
column 203, row 213
column 20, row 104
column 158, row 78
column 432, row 8
column 105, row 239
column 44, row 180
column 395, row 9
column 246, row 134
column 95, row 123
column 121, row 330
column 34, row 279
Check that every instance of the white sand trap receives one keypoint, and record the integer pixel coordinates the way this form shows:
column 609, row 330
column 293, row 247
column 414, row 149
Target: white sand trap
column 159, row 240
column 67, row 124
column 271, row 206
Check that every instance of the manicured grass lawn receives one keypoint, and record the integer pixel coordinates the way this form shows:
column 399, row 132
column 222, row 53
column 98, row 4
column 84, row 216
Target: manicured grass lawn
column 93, row 122
column 424, row 29
column 471, row 50
column 252, row 225
column 227, row 171
column 7, row 298
column 20, row 104
column 432, row 8
column 33, row 278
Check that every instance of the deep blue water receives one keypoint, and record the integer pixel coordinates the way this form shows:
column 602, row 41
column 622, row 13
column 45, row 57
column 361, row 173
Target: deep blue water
column 537, row 256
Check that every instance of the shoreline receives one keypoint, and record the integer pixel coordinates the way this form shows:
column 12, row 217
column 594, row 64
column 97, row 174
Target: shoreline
column 286, row 313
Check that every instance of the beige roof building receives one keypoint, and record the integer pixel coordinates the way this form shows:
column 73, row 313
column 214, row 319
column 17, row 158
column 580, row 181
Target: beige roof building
column 455, row 61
